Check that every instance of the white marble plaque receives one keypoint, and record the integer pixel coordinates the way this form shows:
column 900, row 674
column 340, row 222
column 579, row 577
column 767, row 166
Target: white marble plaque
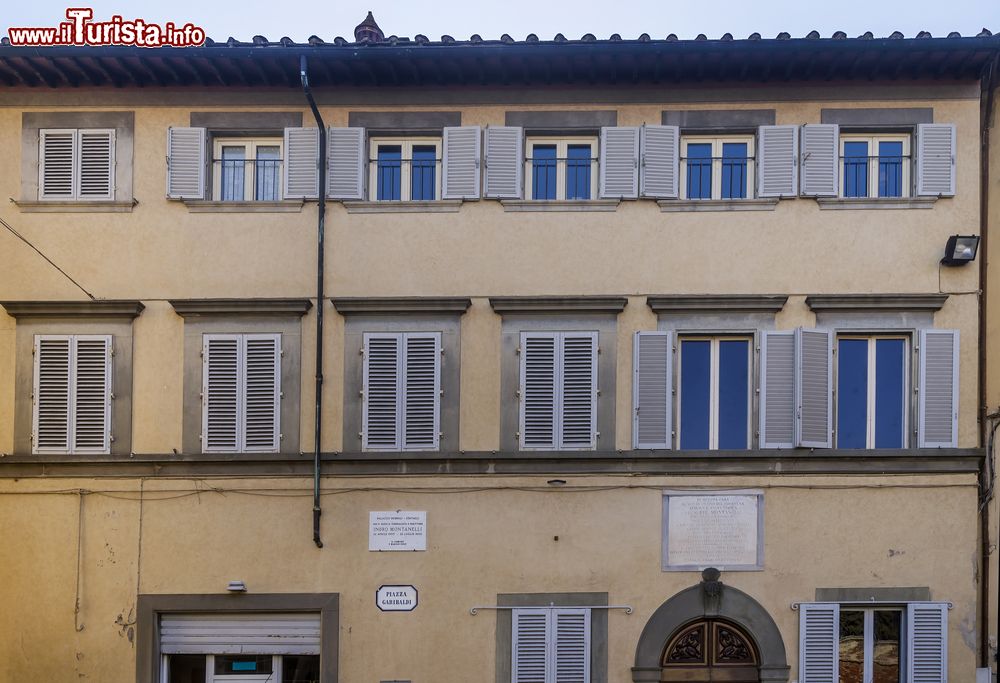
column 706, row 529
column 397, row 530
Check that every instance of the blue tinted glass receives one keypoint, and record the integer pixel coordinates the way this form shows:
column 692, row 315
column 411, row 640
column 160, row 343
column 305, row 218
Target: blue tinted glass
column 890, row 364
column 734, row 170
column 855, row 169
column 699, row 171
column 890, row 169
column 390, row 164
column 422, row 171
column 734, row 394
column 852, row 393
column 578, row 172
column 696, row 362
column 543, row 172
column 267, row 170
column 231, row 177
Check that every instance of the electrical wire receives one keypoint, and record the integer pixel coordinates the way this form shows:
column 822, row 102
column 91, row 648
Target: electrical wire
column 24, row 239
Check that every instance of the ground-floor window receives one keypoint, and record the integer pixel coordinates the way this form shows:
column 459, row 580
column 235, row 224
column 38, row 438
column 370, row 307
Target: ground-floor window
column 247, row 668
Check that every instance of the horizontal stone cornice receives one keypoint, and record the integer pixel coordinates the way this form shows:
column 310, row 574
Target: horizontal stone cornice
column 404, row 304
column 701, row 303
column 243, row 307
column 877, row 302
column 558, row 304
column 118, row 308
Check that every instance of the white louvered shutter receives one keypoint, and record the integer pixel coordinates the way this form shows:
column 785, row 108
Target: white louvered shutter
column 578, row 391
column 777, row 161
column 222, row 633
column 97, row 164
column 91, row 415
column 301, row 171
column 57, row 164
column 814, row 388
column 530, row 646
column 51, row 414
column 927, row 642
column 820, row 150
column 421, row 395
column 186, row 163
column 382, row 386
column 504, row 162
column 538, row 388
column 819, row 638
column 652, row 390
column 777, row 390
column 660, row 166
column 220, row 393
column 262, row 393
column 345, row 163
column 937, row 422
column 570, row 628
column 619, row 163
column 462, row 151
column 935, row 159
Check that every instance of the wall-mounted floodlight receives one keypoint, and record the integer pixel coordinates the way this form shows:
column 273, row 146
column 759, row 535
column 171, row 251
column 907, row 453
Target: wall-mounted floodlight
column 236, row 587
column 961, row 249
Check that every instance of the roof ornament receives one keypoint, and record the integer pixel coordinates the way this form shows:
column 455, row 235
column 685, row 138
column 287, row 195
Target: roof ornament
column 813, row 35
column 985, row 33
column 839, row 35
column 368, row 31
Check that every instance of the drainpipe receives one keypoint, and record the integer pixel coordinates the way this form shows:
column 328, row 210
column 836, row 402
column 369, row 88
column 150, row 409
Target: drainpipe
column 320, row 239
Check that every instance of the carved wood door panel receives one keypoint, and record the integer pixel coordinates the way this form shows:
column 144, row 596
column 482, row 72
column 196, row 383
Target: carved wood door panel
column 710, row 651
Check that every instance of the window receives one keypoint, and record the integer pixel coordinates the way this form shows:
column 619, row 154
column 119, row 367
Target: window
column 76, row 164
column 71, row 407
column 714, row 392
column 405, row 169
column 872, row 391
column 717, row 167
column 874, row 166
column 241, row 393
column 550, row 645
column 402, row 391
column 561, row 168
column 247, row 169
column 186, row 668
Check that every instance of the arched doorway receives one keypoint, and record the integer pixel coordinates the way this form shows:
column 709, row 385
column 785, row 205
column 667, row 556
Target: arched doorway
column 710, row 650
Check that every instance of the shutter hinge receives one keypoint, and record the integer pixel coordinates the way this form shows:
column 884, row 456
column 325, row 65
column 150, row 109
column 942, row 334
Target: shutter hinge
column 517, row 393
column 112, row 395
column 201, row 437
column 202, row 353
column 281, row 394
column 111, row 438
column 201, row 396
column 517, row 350
column 598, row 392
column 517, row 435
column 598, row 349
column 111, row 352
column 281, row 353
column 361, row 351
column 361, row 435
column 361, row 393
column 280, row 437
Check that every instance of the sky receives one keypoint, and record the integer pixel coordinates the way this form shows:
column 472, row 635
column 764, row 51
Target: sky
column 298, row 19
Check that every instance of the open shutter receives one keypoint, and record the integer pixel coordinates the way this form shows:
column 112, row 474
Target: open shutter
column 814, row 388
column 777, row 157
column 936, row 159
column 938, row 389
column 819, row 651
column 50, row 426
column 529, row 646
column 91, row 417
column 301, row 172
column 97, row 164
column 927, row 642
column 652, row 390
column 571, row 654
column 421, row 391
column 777, row 390
column 57, row 150
column 461, row 162
column 578, row 390
column 345, row 163
column 262, row 392
column 538, row 389
column 185, row 163
column 221, row 393
column 660, row 167
column 820, row 149
column 382, row 386
column 619, row 163
column 504, row 162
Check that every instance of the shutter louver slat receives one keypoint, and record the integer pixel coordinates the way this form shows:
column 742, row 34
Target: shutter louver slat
column 301, row 163
column 380, row 419
column 927, row 643
column 938, row 390
column 777, row 388
column 935, row 159
column 262, row 392
column 57, row 167
column 819, row 652
column 820, row 151
column 220, row 432
column 777, row 152
column 345, row 163
column 97, row 154
column 186, row 163
column 660, row 171
column 578, row 391
column 538, row 390
column 504, row 162
column 421, row 391
column 814, row 389
column 652, row 390
column 52, row 394
column 461, row 162
column 619, row 161
column 92, row 395
column 529, row 647
column 572, row 641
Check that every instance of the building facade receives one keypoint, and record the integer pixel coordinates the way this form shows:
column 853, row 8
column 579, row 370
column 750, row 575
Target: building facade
column 633, row 360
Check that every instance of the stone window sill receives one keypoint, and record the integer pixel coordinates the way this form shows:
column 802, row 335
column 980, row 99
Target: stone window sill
column 672, row 205
column 572, row 205
column 866, row 203
column 61, row 206
column 208, row 206
column 439, row 206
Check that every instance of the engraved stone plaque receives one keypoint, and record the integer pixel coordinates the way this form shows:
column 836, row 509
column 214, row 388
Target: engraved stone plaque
column 723, row 529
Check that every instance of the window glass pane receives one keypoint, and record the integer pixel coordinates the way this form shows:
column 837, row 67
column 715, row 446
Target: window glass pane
column 187, row 669
column 300, row 669
column 886, row 658
column 244, row 664
column 578, row 172
column 734, row 170
column 423, row 168
column 852, row 646
column 696, row 360
column 890, row 364
column 852, row 393
column 266, row 167
column 699, row 171
column 233, row 167
column 734, row 367
column 543, row 172
column 890, row 169
column 389, row 172
column 855, row 169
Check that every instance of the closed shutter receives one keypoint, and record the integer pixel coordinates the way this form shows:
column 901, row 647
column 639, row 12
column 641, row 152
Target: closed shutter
column 381, row 387
column 262, row 392
column 814, row 389
column 301, row 163
column 186, row 163
column 938, row 389
column 619, row 163
column 819, row 652
column 558, row 390
column 529, row 646
column 345, row 163
column 57, row 164
column 504, row 162
column 777, row 157
column 220, row 393
column 264, row 634
column 572, row 645
column 660, row 167
column 91, row 423
column 936, row 159
column 578, row 396
column 51, row 428
column 820, row 150
column 652, row 390
column 97, row 164
column 421, row 391
column 927, row 642
column 777, row 390
column 461, row 162
column 539, row 376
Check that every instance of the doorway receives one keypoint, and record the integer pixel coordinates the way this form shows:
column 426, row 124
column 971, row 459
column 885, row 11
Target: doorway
column 710, row 651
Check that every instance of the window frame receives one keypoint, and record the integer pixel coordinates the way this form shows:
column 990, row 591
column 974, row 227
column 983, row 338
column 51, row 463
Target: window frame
column 909, row 402
column 717, row 142
column 250, row 145
column 868, row 635
column 715, row 339
column 406, row 145
column 873, row 140
column 276, row 675
column 77, row 170
column 562, row 144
